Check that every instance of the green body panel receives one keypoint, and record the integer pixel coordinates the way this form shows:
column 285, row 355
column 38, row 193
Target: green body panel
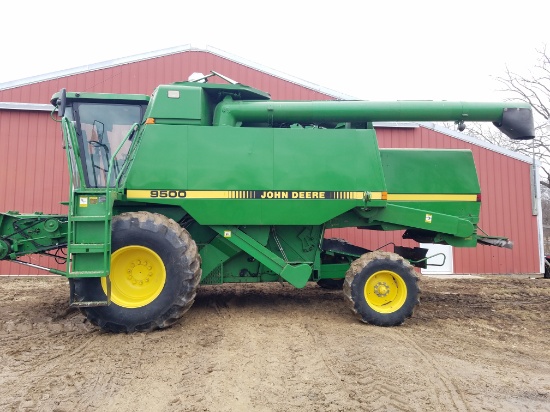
column 441, row 173
column 194, row 103
column 285, row 162
column 333, row 271
column 429, row 171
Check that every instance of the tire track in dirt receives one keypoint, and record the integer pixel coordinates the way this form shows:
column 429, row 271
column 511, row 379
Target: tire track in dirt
column 449, row 395
column 376, row 358
column 368, row 392
column 43, row 375
column 272, row 348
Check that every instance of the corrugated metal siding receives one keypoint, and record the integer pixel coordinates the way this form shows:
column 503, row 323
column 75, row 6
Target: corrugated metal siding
column 506, row 207
column 143, row 76
column 34, row 175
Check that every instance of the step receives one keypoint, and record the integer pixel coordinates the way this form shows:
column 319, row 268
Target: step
column 86, row 274
column 87, row 247
column 88, row 218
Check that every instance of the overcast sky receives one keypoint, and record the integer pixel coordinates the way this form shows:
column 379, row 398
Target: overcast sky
column 383, row 50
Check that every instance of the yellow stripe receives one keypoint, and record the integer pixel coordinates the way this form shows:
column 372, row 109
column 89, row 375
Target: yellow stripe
column 189, row 194
column 430, row 198
column 138, row 194
column 373, row 195
column 228, row 194
column 208, row 194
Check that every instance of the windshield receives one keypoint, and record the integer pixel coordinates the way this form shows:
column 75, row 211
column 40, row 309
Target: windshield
column 101, row 129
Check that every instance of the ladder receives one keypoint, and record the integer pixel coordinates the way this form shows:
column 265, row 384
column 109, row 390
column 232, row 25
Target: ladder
column 89, row 242
column 89, row 220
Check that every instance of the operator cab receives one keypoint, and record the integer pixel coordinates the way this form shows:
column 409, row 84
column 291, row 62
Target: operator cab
column 101, row 123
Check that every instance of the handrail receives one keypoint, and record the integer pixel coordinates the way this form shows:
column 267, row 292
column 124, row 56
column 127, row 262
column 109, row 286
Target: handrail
column 132, row 130
column 108, row 209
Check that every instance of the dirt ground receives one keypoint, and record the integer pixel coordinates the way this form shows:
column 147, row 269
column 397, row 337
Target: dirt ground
column 472, row 345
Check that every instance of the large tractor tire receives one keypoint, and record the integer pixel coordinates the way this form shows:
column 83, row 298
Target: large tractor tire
column 155, row 272
column 381, row 288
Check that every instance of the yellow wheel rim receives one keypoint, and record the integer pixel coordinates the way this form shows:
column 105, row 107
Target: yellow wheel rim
column 385, row 291
column 137, row 276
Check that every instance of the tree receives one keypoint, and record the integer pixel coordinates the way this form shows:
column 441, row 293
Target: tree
column 533, row 88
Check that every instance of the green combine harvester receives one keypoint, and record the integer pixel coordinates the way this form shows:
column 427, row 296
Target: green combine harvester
column 216, row 183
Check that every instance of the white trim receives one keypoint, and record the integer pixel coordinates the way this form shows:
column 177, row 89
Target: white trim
column 169, row 51
column 26, row 106
column 540, row 229
column 397, row 125
column 477, row 142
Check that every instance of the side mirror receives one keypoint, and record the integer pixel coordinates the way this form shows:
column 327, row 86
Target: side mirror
column 61, row 103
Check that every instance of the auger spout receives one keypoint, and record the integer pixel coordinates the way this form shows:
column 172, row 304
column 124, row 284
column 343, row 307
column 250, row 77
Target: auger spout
column 515, row 119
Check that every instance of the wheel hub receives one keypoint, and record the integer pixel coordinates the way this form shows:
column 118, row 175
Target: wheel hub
column 137, row 276
column 139, row 271
column 381, row 289
column 385, row 291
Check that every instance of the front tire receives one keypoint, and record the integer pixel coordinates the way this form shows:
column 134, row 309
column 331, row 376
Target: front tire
column 381, row 288
column 155, row 272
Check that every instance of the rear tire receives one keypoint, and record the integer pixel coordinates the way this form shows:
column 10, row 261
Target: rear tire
column 155, row 272
column 381, row 288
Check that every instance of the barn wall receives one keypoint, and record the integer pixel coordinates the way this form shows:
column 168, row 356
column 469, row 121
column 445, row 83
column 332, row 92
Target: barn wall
column 505, row 211
column 34, row 173
column 33, row 176
column 142, row 77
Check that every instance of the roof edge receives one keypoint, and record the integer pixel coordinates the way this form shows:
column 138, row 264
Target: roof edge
column 26, row 106
column 166, row 52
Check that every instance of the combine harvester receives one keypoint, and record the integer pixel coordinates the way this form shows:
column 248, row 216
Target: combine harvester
column 216, row 183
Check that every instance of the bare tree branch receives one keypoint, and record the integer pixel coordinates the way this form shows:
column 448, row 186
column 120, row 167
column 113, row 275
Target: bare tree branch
column 533, row 88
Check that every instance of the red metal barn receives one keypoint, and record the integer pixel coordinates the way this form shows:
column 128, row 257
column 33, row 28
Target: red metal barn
column 34, row 172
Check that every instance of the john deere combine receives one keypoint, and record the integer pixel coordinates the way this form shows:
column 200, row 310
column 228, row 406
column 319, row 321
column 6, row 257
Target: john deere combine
column 216, row 183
